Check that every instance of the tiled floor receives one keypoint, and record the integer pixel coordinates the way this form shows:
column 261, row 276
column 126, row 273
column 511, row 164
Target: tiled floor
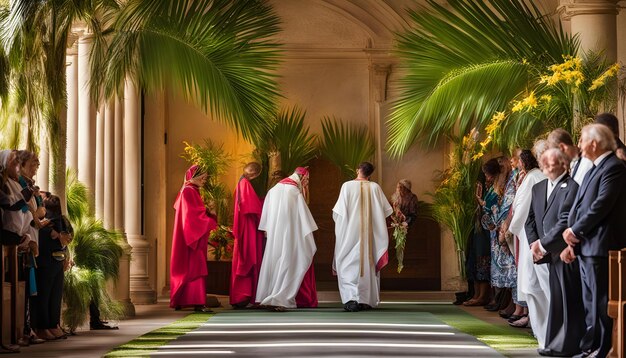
column 96, row 343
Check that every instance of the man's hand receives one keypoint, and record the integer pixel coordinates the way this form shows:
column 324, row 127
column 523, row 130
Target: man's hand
column 570, row 237
column 568, row 256
column 536, row 251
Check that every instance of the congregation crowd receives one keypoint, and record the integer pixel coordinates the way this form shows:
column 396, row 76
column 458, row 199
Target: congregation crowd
column 546, row 220
column 34, row 235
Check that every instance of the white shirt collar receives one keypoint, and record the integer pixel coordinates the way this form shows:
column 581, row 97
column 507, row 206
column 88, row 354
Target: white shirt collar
column 558, row 179
column 601, row 158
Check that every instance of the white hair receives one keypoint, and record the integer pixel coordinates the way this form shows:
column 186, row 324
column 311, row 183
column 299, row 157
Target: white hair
column 602, row 135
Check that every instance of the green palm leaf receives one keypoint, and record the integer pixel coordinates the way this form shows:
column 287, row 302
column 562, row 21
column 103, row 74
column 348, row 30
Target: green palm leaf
column 219, row 53
column 346, row 145
column 286, row 133
column 96, row 248
column 77, row 197
column 493, row 44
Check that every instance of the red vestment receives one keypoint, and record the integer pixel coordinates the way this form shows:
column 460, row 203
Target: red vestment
column 192, row 225
column 248, row 248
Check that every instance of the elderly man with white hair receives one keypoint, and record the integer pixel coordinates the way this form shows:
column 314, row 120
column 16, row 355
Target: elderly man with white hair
column 552, row 199
column 596, row 225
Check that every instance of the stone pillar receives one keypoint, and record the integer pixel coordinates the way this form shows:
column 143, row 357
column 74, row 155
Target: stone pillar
column 86, row 120
column 140, row 290
column 100, row 173
column 595, row 22
column 118, row 158
column 108, row 165
column 71, row 77
column 122, row 286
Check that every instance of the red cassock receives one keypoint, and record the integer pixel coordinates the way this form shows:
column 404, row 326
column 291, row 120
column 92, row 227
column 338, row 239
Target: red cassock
column 188, row 269
column 248, row 249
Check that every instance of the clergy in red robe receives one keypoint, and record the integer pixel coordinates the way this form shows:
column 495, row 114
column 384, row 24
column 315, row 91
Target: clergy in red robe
column 248, row 249
column 192, row 225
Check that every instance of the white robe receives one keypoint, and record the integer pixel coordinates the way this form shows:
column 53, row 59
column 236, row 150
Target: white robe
column 361, row 240
column 290, row 246
column 533, row 284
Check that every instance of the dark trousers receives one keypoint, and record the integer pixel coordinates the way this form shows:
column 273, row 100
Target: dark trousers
column 565, row 324
column 46, row 306
column 594, row 274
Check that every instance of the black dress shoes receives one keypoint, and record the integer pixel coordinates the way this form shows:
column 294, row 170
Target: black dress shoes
column 351, row 306
column 96, row 326
column 546, row 352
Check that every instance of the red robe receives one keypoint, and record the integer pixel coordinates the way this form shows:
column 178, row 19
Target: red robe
column 188, row 269
column 248, row 249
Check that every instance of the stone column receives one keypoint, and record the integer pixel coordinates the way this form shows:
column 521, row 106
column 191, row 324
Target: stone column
column 108, row 167
column 71, row 77
column 122, row 286
column 100, row 173
column 118, row 159
column 140, row 290
column 86, row 120
column 595, row 22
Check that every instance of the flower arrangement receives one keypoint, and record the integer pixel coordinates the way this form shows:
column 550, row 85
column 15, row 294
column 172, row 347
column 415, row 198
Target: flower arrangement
column 222, row 241
column 453, row 202
column 400, row 230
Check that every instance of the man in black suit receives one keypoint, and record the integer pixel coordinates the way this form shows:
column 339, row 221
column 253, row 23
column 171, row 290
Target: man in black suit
column 596, row 223
column 552, row 200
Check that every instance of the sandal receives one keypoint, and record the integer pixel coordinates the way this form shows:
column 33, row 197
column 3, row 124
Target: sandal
column 520, row 323
column 9, row 349
column 473, row 302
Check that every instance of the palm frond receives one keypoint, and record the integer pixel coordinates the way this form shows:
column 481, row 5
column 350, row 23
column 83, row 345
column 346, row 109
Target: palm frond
column 472, row 39
column 78, row 288
column 77, row 197
column 287, row 134
column 96, row 248
column 346, row 145
column 219, row 53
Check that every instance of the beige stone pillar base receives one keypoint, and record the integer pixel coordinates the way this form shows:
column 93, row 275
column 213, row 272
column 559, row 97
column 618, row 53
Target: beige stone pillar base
column 122, row 286
column 140, row 290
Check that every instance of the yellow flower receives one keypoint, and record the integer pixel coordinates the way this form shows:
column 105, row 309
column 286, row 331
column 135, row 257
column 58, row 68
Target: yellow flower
column 568, row 71
column 477, row 156
column 527, row 103
column 601, row 81
column 546, row 98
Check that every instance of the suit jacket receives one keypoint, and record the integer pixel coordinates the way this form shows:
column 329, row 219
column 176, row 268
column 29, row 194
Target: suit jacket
column 598, row 216
column 547, row 218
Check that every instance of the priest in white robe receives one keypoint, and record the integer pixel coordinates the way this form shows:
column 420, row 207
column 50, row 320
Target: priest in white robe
column 286, row 279
column 361, row 240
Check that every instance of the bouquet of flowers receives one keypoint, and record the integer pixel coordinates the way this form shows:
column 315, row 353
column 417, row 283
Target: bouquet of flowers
column 222, row 239
column 400, row 229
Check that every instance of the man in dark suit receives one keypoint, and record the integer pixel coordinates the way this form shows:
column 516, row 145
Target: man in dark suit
column 552, row 200
column 596, row 223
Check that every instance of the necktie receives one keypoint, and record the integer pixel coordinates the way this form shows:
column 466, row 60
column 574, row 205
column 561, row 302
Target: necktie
column 576, row 167
column 584, row 184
